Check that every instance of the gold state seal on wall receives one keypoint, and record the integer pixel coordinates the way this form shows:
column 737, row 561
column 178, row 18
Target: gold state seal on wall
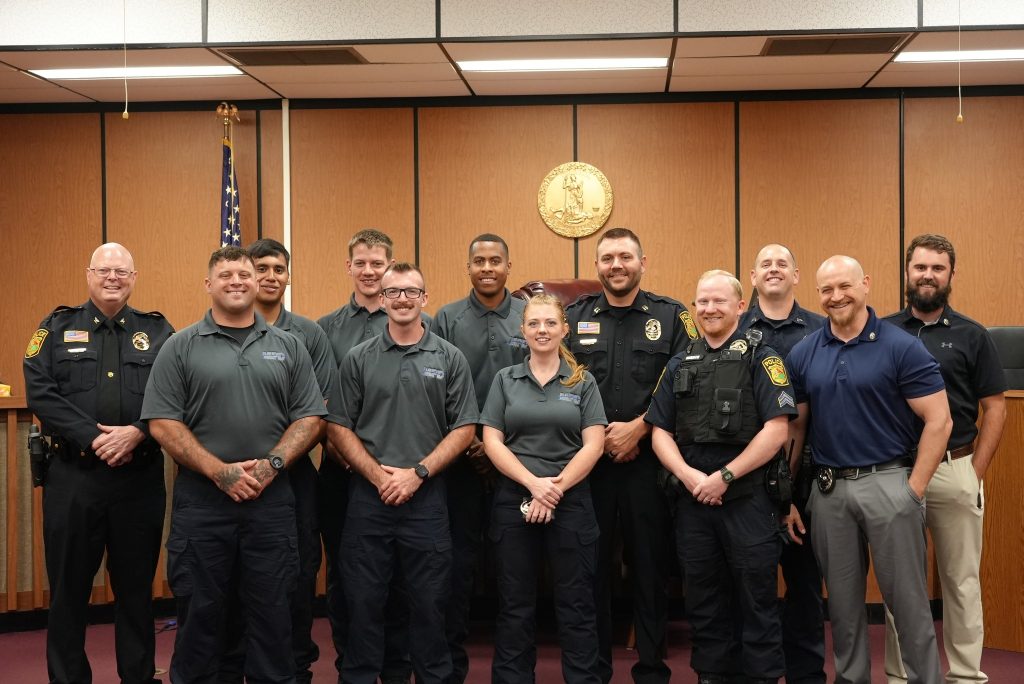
column 575, row 199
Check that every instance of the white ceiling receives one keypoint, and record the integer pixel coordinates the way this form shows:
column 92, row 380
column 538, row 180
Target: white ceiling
column 700, row 64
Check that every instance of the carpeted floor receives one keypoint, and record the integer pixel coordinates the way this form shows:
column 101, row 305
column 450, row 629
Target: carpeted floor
column 22, row 656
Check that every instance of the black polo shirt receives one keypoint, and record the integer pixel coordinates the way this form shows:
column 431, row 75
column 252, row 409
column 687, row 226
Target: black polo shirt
column 237, row 399
column 968, row 360
column 63, row 367
column 402, row 401
column 543, row 426
column 490, row 339
column 626, row 348
column 773, row 397
column 782, row 335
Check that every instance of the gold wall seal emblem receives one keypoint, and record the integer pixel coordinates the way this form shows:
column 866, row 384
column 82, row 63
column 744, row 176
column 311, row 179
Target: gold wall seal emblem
column 575, row 199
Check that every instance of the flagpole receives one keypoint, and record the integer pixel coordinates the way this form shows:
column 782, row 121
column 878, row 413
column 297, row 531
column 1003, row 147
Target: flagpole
column 230, row 228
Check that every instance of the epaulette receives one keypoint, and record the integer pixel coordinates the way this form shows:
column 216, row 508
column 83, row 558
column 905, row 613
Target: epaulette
column 61, row 310
column 150, row 314
column 586, row 295
column 662, row 298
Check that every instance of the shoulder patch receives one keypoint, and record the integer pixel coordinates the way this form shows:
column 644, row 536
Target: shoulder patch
column 689, row 325
column 35, row 343
column 776, row 371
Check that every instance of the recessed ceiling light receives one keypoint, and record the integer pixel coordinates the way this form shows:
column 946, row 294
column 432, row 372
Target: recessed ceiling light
column 961, row 56
column 591, row 64
column 137, row 72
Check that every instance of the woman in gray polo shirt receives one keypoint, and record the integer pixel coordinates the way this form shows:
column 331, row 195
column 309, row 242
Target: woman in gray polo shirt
column 544, row 430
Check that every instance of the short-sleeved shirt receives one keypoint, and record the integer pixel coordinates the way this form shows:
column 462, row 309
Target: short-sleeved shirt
column 353, row 324
column 315, row 340
column 626, row 348
column 237, row 399
column 857, row 392
column 402, row 401
column 63, row 363
column 773, row 397
column 969, row 363
column 782, row 335
column 543, row 426
column 490, row 339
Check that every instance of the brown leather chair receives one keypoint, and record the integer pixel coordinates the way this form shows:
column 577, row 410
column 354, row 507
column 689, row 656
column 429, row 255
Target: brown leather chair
column 568, row 290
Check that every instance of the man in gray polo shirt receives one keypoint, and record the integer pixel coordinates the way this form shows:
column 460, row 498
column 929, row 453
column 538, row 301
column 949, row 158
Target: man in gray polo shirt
column 402, row 407
column 485, row 326
column 234, row 402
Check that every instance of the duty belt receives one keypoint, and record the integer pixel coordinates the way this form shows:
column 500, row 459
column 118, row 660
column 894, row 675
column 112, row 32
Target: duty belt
column 959, row 452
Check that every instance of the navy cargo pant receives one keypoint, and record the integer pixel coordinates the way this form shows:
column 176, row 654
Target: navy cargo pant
column 216, row 550
column 378, row 540
column 569, row 545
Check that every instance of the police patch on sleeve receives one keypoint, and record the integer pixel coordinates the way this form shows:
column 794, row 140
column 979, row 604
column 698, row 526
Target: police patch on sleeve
column 35, row 343
column 689, row 325
column 776, row 371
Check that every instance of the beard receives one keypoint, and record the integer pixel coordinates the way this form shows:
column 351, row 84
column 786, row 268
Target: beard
column 928, row 303
column 632, row 281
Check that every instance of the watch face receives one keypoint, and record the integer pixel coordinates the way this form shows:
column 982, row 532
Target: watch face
column 276, row 462
column 421, row 471
column 727, row 475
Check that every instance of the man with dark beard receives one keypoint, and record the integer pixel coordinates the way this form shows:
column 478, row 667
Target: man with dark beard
column 956, row 504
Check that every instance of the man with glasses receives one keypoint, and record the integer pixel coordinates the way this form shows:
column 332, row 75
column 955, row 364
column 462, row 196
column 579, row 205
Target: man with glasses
column 85, row 371
column 402, row 408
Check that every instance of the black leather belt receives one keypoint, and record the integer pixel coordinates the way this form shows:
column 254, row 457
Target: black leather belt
column 854, row 473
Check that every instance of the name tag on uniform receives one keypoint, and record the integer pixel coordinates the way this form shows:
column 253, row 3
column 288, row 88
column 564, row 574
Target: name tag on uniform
column 587, row 341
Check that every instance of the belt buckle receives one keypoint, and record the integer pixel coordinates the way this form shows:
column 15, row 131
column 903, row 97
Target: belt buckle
column 826, row 479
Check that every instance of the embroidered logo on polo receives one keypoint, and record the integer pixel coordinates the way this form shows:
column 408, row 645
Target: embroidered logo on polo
column 569, row 397
column 274, row 356
column 517, row 343
column 435, row 373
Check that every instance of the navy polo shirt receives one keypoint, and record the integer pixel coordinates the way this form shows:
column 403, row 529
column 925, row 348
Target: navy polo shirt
column 857, row 392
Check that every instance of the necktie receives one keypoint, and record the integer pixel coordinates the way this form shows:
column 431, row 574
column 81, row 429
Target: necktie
column 108, row 400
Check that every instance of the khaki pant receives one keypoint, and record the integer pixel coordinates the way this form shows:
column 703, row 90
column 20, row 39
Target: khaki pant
column 956, row 506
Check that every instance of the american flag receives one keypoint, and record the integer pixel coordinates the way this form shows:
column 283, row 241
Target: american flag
column 230, row 219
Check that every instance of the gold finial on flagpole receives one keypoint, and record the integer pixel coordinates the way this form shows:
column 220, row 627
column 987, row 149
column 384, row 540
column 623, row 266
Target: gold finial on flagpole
column 228, row 112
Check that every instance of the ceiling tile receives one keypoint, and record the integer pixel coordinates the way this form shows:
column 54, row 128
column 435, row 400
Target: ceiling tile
column 454, row 88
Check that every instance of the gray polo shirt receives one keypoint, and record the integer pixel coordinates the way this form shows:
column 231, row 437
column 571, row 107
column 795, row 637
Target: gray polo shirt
column 237, row 400
column 315, row 340
column 491, row 339
column 543, row 426
column 402, row 402
column 354, row 324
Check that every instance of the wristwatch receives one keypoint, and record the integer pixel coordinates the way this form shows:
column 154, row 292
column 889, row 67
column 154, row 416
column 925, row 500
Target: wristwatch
column 421, row 471
column 727, row 476
column 276, row 462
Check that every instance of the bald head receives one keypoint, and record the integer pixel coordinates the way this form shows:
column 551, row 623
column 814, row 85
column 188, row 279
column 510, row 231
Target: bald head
column 111, row 278
column 112, row 250
column 840, row 264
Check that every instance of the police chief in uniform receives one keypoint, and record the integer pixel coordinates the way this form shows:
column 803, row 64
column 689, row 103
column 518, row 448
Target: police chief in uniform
column 85, row 371
column 720, row 413
column 625, row 336
column 370, row 253
column 271, row 261
column 863, row 388
column 782, row 323
column 485, row 326
column 956, row 501
column 402, row 409
column 544, row 431
column 235, row 402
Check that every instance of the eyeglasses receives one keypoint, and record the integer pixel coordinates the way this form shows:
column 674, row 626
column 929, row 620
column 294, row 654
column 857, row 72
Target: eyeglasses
column 104, row 272
column 396, row 292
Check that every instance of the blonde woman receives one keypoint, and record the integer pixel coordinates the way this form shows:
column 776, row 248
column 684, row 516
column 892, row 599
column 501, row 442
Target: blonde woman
column 544, row 431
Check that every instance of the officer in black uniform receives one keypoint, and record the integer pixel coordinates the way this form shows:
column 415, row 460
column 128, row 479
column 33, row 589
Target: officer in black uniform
column 782, row 323
column 625, row 336
column 271, row 261
column 720, row 414
column 485, row 326
column 85, row 371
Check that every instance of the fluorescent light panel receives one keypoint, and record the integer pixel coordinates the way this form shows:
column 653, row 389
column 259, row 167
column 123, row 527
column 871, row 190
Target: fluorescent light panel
column 961, row 56
column 137, row 72
column 591, row 64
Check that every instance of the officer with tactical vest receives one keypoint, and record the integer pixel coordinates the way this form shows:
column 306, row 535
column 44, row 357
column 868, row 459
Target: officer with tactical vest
column 720, row 415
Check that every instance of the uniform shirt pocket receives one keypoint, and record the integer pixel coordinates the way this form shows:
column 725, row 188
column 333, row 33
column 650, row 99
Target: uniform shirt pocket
column 76, row 371
column 649, row 358
column 136, row 367
column 591, row 352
